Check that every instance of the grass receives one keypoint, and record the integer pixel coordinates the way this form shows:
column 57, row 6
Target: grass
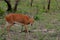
column 49, row 21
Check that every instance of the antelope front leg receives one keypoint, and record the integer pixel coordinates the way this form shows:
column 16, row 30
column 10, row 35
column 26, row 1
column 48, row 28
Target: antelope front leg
column 26, row 29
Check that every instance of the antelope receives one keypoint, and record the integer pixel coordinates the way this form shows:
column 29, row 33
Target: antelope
column 12, row 18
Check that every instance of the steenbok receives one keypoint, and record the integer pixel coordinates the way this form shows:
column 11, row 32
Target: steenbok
column 18, row 18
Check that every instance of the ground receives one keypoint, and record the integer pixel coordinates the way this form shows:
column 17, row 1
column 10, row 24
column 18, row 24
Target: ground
column 46, row 28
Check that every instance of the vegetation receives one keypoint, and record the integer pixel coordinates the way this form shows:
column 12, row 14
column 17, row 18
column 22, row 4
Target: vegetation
column 46, row 25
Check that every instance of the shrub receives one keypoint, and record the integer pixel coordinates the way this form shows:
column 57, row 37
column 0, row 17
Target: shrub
column 1, row 13
column 37, row 17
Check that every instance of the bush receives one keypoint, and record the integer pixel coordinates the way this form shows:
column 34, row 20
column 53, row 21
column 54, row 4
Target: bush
column 37, row 17
column 1, row 13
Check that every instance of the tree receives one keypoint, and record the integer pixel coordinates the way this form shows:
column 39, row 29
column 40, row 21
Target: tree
column 31, row 3
column 9, row 6
column 48, row 8
column 16, row 4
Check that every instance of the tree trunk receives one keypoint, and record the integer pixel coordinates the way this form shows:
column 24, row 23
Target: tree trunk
column 9, row 5
column 16, row 4
column 48, row 8
column 31, row 3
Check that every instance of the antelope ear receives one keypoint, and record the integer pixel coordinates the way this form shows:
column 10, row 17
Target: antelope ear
column 31, row 24
column 32, row 17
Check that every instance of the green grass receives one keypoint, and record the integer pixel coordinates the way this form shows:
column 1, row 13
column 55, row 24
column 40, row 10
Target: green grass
column 50, row 20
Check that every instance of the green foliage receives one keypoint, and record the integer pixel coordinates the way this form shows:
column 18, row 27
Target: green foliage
column 37, row 17
column 1, row 13
column 47, row 20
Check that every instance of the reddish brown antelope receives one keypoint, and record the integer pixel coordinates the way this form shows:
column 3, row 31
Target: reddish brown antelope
column 20, row 18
